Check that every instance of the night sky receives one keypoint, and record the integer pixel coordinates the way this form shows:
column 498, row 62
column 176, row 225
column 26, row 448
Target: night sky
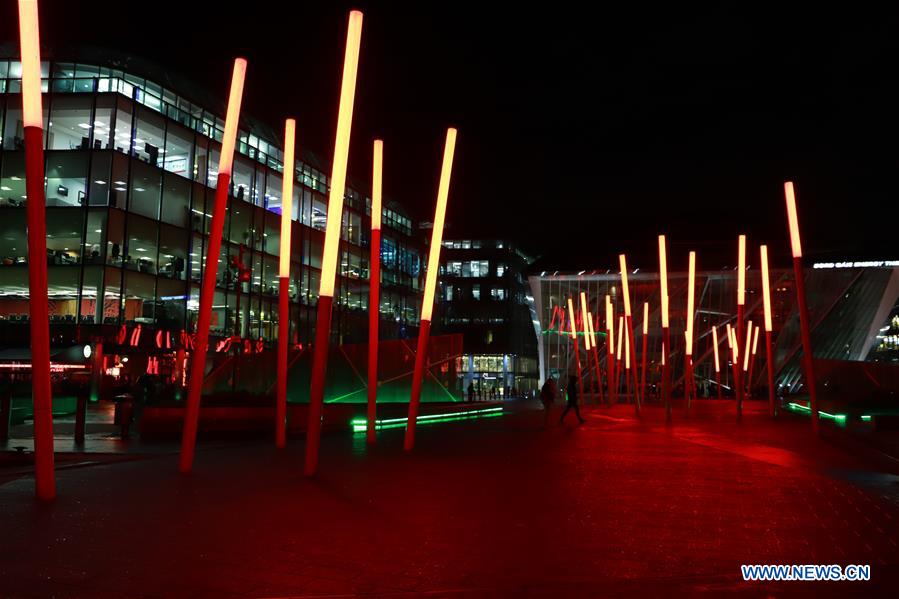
column 581, row 133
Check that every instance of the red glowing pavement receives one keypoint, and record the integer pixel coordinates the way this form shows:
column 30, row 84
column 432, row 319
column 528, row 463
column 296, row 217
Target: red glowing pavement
column 480, row 508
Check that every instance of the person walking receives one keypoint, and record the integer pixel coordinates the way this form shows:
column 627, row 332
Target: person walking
column 571, row 400
column 470, row 391
column 548, row 398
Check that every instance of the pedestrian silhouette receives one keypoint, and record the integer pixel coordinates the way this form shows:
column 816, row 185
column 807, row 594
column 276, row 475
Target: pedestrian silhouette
column 571, row 392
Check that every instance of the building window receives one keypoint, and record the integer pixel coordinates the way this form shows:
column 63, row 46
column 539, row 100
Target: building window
column 476, row 291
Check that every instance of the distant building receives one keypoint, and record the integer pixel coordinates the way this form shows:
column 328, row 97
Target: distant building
column 484, row 296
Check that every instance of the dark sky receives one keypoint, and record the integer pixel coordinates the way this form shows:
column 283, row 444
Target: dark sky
column 582, row 132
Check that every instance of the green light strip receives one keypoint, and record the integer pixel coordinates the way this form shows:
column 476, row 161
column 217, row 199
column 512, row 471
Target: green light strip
column 360, row 424
column 795, row 407
column 866, row 418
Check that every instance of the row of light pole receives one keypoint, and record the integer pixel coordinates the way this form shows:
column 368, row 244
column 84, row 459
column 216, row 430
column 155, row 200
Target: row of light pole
column 735, row 335
column 40, row 345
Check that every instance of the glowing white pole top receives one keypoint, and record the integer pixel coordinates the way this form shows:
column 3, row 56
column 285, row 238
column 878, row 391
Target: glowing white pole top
column 622, row 261
column 341, row 152
column 439, row 217
column 766, row 287
column 741, row 271
column 793, row 219
column 571, row 324
column 376, row 180
column 715, row 345
column 586, row 321
column 645, row 318
column 29, row 38
column 691, row 295
column 663, row 279
column 290, row 126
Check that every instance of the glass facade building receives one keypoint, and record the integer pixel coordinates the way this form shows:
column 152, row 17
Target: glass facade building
column 483, row 295
column 853, row 307
column 131, row 168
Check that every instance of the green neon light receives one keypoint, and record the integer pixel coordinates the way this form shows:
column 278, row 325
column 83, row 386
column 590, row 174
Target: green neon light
column 799, row 408
column 867, row 418
column 360, row 424
column 567, row 333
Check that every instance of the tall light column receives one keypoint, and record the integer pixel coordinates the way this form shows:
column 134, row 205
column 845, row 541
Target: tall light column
column 666, row 336
column 210, row 268
column 618, row 363
column 586, row 325
column 755, row 344
column 645, row 344
column 632, row 345
column 717, row 362
column 331, row 251
column 427, row 306
column 597, row 379
column 290, row 126
column 577, row 351
column 610, row 351
column 33, row 120
column 769, row 351
column 688, row 353
column 374, row 289
column 808, row 357
column 738, row 333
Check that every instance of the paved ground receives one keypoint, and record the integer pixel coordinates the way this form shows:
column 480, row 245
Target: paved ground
column 497, row 507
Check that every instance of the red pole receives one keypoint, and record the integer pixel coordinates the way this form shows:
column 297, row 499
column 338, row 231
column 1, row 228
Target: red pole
column 807, row 352
column 666, row 372
column 666, row 336
column 41, row 391
column 284, row 283
column 610, row 351
column 741, row 289
column 373, row 315
column 374, row 288
column 204, row 315
column 421, row 361
column 769, row 366
column 643, row 369
column 807, row 356
column 330, row 252
column 718, row 384
column 633, row 354
column 283, row 334
column 427, row 305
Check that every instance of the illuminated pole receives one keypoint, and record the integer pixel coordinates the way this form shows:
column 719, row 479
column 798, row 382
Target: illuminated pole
column 717, row 363
column 374, row 288
column 769, row 351
column 204, row 315
column 747, row 348
column 427, row 305
column 577, row 353
column 688, row 357
column 586, row 325
column 755, row 343
column 807, row 352
column 666, row 338
column 645, row 343
column 610, row 351
column 284, row 283
column 598, row 378
column 738, row 333
column 734, row 353
column 632, row 344
column 621, row 334
column 331, row 250
column 33, row 119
